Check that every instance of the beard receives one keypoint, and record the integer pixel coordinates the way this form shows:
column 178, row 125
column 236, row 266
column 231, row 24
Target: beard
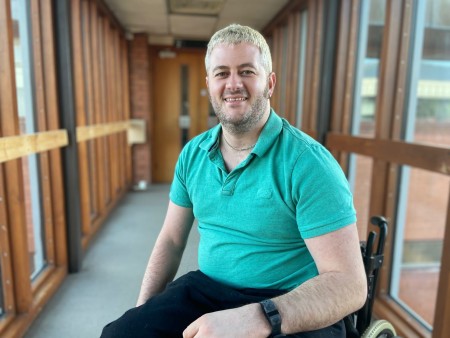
column 250, row 118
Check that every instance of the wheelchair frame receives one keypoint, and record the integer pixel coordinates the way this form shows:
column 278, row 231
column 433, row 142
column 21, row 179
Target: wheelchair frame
column 359, row 324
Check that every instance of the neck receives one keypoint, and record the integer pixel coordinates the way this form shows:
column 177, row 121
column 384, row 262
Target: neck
column 243, row 141
column 240, row 148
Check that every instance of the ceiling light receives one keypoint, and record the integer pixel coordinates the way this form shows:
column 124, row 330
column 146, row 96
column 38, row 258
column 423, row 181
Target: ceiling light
column 199, row 7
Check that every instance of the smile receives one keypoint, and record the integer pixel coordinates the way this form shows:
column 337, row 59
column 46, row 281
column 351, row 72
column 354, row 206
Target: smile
column 235, row 99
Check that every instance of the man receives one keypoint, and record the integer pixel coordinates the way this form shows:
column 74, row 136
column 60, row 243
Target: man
column 279, row 251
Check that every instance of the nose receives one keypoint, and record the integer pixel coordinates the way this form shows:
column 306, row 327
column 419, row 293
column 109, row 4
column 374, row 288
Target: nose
column 234, row 82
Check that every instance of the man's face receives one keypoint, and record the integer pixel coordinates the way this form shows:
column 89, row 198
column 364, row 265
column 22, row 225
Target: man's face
column 239, row 88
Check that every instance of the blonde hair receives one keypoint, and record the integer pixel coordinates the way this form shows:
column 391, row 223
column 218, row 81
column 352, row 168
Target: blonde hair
column 235, row 34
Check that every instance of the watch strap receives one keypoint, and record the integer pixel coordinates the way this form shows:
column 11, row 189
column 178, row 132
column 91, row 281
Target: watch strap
column 273, row 317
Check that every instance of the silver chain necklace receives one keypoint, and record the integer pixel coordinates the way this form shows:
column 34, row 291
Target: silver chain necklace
column 237, row 149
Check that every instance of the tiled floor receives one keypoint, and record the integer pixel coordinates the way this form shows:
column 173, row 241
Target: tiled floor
column 113, row 266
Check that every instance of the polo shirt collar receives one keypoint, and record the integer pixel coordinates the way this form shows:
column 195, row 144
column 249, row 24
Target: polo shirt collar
column 268, row 135
column 213, row 140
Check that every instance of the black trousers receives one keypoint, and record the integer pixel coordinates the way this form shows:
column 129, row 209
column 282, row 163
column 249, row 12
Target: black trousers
column 185, row 300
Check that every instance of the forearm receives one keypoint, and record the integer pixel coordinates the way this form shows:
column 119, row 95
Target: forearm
column 167, row 252
column 161, row 269
column 316, row 304
column 321, row 302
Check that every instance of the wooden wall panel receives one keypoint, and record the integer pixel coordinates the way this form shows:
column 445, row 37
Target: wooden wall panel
column 97, row 105
column 293, row 79
column 13, row 169
column 291, row 75
column 51, row 93
column 7, row 110
column 100, row 98
column 80, row 107
column 29, row 296
column 317, row 10
column 126, row 107
column 339, row 86
column 7, row 278
column 87, row 34
column 101, row 128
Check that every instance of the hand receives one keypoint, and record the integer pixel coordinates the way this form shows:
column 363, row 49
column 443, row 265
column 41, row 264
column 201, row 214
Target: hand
column 246, row 321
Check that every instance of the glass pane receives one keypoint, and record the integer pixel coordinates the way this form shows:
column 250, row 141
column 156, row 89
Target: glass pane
column 360, row 178
column 35, row 226
column 428, row 119
column 30, row 164
column 367, row 67
column 301, row 67
column 283, row 76
column 420, row 226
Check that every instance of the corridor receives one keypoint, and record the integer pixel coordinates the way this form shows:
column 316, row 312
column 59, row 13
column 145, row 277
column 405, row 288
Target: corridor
column 113, row 266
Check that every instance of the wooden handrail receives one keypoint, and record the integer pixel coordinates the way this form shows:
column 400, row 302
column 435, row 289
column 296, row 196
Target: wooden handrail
column 13, row 147
column 428, row 157
column 86, row 133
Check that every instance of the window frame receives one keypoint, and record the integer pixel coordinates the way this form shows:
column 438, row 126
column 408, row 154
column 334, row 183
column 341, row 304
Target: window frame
column 388, row 150
column 24, row 297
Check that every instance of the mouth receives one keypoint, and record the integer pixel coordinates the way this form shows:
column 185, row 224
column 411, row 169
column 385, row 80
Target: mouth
column 235, row 99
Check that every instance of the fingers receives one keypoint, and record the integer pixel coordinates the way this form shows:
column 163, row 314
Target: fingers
column 191, row 330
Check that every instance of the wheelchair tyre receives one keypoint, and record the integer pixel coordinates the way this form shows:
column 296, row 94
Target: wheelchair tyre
column 379, row 329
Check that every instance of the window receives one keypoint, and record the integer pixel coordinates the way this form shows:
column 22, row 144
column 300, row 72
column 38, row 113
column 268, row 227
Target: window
column 360, row 176
column 428, row 104
column 28, row 125
column 422, row 207
column 301, row 67
column 283, row 70
column 420, row 227
column 391, row 94
column 367, row 66
column 371, row 27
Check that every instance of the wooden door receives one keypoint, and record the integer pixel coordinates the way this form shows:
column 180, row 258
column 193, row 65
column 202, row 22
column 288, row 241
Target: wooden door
column 179, row 97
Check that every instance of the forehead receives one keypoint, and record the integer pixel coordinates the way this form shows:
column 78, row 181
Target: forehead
column 233, row 55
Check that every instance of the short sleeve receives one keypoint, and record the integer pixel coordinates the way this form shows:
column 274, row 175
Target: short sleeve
column 324, row 199
column 178, row 189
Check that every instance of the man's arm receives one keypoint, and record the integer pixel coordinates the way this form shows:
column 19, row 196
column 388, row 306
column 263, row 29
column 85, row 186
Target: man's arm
column 338, row 290
column 167, row 252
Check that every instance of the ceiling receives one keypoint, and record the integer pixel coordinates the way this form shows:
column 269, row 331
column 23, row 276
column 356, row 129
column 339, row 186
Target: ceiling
column 168, row 20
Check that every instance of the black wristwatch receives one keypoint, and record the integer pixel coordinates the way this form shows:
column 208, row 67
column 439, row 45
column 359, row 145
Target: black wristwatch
column 273, row 316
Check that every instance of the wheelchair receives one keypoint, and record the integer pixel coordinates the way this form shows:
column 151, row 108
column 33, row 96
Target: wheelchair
column 359, row 324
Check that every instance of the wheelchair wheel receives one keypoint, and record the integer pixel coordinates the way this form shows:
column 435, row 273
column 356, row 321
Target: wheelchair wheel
column 379, row 329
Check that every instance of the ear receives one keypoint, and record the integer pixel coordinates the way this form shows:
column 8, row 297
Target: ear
column 272, row 81
column 207, row 83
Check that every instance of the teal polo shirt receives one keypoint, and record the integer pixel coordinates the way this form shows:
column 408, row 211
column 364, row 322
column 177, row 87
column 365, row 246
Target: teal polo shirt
column 253, row 220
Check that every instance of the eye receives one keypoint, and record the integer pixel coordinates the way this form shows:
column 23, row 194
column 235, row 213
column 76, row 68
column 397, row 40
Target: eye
column 247, row 72
column 221, row 74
